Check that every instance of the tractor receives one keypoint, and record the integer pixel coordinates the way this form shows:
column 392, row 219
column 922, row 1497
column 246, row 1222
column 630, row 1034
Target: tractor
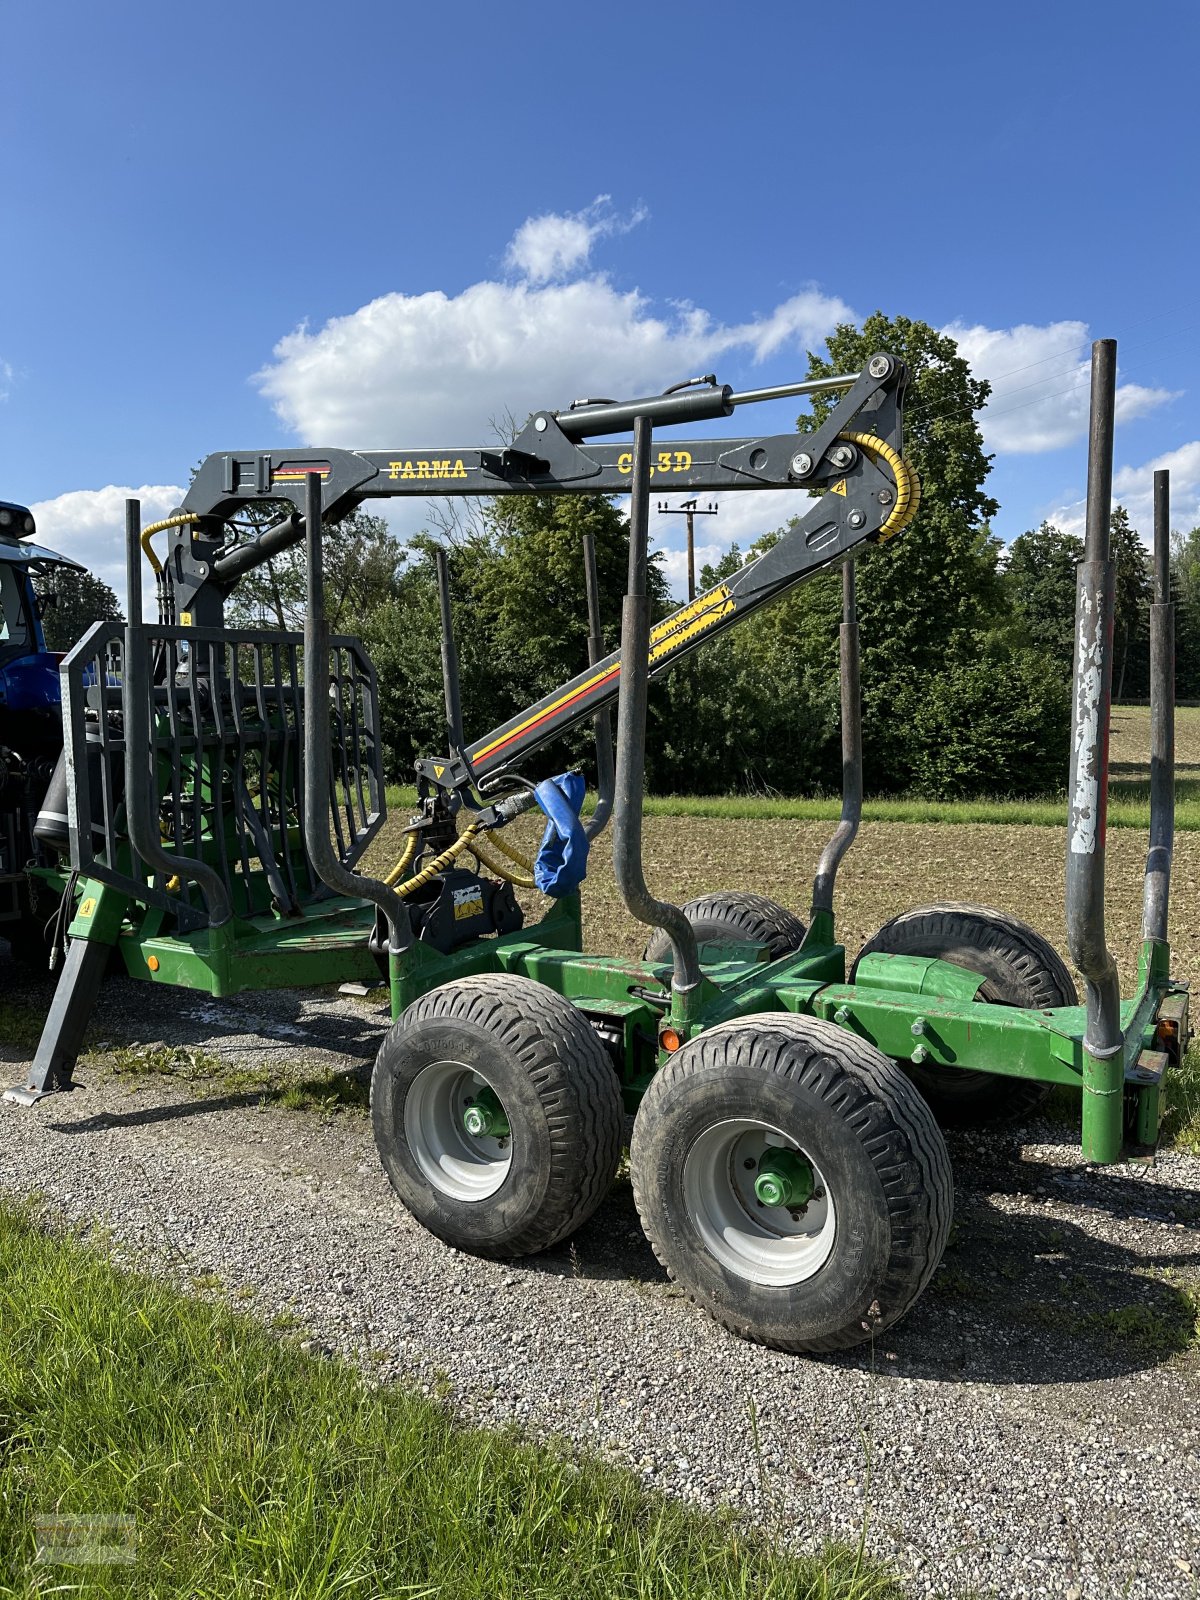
column 31, row 739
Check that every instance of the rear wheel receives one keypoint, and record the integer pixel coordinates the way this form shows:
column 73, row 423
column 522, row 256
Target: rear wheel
column 731, row 914
column 497, row 1114
column 793, row 1181
column 1019, row 968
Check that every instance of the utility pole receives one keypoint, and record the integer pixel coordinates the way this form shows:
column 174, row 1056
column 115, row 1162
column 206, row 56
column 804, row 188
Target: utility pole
column 690, row 510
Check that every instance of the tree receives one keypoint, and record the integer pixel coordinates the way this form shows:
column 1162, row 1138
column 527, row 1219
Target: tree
column 1039, row 580
column 1131, row 606
column 519, row 602
column 70, row 602
column 363, row 559
column 1185, row 591
column 928, row 599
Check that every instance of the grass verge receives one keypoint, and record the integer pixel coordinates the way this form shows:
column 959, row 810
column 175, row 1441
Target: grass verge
column 1181, row 1125
column 251, row 1469
column 1039, row 813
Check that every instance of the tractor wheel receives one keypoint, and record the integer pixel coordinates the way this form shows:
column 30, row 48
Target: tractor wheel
column 730, row 914
column 792, row 1180
column 1020, row 969
column 497, row 1115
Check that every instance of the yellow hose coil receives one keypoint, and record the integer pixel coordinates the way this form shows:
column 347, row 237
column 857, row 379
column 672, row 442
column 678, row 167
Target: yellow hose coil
column 511, row 851
column 523, row 880
column 157, row 527
column 465, row 841
column 908, row 485
column 405, row 861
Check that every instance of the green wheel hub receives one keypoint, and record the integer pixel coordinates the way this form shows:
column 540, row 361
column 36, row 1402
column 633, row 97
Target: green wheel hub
column 485, row 1117
column 784, row 1179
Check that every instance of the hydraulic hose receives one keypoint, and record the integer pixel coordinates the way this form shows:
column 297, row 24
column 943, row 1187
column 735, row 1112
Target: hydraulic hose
column 157, row 527
column 405, row 861
column 465, row 841
column 523, row 879
column 908, row 485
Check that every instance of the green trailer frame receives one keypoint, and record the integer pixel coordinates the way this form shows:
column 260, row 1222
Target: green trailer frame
column 207, row 900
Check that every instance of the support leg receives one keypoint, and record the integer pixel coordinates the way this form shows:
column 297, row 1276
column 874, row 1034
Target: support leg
column 70, row 1011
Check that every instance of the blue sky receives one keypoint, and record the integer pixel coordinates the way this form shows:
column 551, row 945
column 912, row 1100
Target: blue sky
column 239, row 226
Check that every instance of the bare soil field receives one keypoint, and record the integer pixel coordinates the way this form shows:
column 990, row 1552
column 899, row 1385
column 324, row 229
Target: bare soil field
column 891, row 867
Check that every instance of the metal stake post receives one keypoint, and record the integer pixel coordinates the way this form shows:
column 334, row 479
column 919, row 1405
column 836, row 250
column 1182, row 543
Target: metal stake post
column 1103, row 1045
column 326, row 862
column 1162, row 728
column 631, row 741
column 602, row 722
column 852, row 784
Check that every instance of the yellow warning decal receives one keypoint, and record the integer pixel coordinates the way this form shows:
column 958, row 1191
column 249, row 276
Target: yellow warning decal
column 437, row 771
column 88, row 907
column 839, row 487
column 185, row 619
column 468, row 903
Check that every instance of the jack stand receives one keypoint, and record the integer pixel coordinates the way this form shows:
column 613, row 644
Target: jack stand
column 66, row 1023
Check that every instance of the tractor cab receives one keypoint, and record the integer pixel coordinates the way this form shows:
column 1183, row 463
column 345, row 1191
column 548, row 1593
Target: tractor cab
column 30, row 715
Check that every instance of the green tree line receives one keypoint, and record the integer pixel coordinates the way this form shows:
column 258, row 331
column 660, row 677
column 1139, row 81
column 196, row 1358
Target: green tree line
column 966, row 645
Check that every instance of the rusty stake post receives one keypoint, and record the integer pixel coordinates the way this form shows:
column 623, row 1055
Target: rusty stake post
column 1162, row 727
column 1103, row 1044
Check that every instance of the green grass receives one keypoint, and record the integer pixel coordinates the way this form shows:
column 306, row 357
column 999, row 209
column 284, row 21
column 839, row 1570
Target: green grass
column 252, row 1470
column 1129, row 796
column 1181, row 1125
column 20, row 1026
column 1132, row 811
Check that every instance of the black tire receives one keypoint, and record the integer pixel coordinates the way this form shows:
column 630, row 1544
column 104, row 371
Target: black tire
column 1020, row 969
column 730, row 914
column 882, row 1219
column 556, row 1085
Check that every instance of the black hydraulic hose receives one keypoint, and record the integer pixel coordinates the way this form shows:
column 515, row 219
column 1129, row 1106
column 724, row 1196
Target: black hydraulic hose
column 631, row 733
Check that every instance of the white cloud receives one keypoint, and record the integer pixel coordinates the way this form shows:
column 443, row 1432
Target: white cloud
column 7, row 374
column 556, row 243
column 1133, row 487
column 1040, row 385
column 740, row 520
column 436, row 369
column 89, row 526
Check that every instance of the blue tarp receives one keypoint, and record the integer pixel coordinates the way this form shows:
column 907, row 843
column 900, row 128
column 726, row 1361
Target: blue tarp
column 561, row 864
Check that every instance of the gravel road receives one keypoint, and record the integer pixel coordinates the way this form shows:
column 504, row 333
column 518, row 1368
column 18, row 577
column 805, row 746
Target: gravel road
column 1031, row 1429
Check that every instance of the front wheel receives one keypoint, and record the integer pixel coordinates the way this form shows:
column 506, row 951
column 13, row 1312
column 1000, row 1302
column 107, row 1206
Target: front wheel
column 793, row 1181
column 497, row 1114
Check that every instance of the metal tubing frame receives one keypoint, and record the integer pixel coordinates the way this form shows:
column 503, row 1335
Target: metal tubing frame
column 141, row 815
column 602, row 722
column 631, row 739
column 1157, row 888
column 1104, row 1050
column 852, row 763
column 324, row 857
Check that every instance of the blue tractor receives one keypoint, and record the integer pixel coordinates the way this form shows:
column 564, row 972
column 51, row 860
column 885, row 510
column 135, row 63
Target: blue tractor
column 30, row 729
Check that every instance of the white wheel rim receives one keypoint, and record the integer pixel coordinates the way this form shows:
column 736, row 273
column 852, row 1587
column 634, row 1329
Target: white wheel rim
column 770, row 1245
column 457, row 1163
